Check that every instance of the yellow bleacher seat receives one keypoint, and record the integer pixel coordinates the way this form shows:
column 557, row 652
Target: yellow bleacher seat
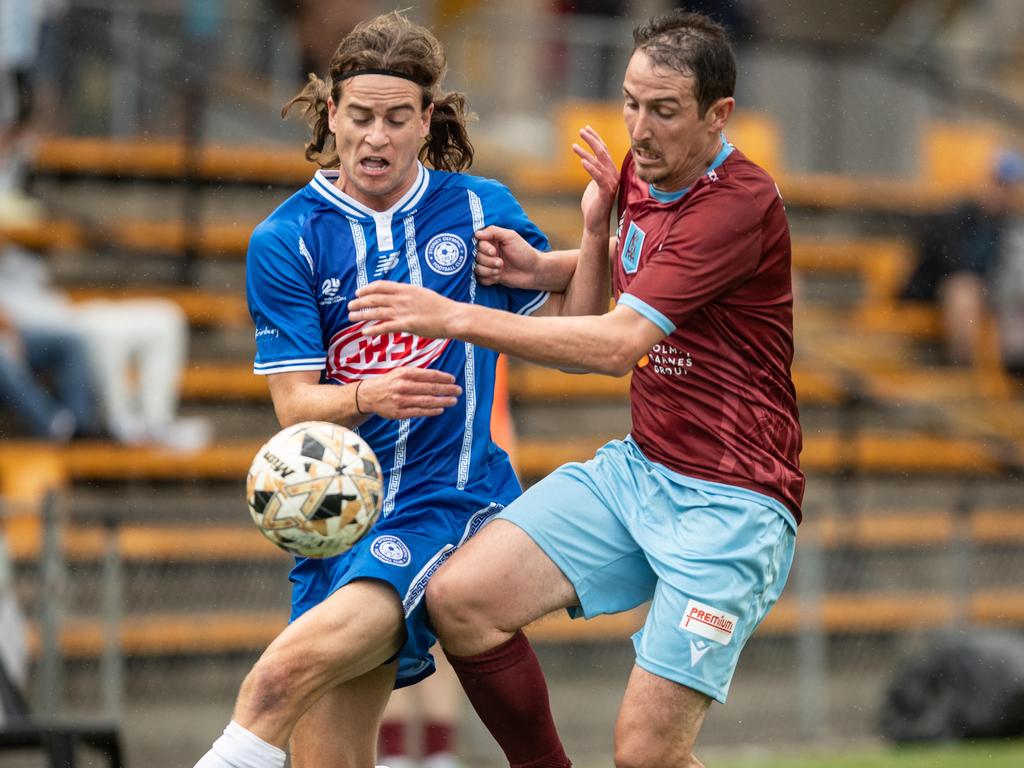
column 959, row 156
column 758, row 136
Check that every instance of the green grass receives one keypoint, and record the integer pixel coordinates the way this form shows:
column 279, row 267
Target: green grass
column 989, row 754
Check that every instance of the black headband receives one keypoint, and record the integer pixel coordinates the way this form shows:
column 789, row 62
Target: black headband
column 375, row 71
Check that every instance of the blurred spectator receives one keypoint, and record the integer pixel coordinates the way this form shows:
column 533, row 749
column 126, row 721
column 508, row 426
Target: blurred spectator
column 1009, row 292
column 965, row 254
column 319, row 24
column 433, row 705
column 136, row 351
column 30, row 356
column 51, row 70
column 20, row 22
column 739, row 17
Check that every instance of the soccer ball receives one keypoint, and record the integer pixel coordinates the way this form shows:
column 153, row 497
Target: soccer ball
column 314, row 489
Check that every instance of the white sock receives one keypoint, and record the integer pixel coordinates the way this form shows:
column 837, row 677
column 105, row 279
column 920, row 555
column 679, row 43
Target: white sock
column 241, row 748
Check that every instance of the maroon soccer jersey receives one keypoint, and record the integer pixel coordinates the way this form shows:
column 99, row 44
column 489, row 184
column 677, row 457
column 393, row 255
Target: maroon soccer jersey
column 715, row 399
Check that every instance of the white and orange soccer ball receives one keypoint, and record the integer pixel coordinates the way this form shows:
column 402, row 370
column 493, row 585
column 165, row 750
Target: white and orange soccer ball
column 314, row 489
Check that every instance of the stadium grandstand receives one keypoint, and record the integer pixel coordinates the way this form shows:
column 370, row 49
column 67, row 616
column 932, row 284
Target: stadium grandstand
column 153, row 145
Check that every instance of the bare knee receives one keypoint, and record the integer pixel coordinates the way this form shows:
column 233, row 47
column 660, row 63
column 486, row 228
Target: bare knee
column 454, row 606
column 269, row 687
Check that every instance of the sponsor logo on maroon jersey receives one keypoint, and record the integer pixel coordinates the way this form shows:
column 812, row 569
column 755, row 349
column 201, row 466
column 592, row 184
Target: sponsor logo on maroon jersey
column 666, row 360
column 352, row 356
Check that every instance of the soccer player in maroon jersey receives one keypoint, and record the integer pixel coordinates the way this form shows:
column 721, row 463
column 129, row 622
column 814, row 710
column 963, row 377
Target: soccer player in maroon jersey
column 695, row 510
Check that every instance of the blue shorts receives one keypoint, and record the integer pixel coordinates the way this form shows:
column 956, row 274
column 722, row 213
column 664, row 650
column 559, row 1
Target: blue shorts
column 404, row 550
column 712, row 558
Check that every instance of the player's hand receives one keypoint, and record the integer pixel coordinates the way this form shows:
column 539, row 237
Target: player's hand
column 407, row 393
column 599, row 196
column 390, row 307
column 503, row 256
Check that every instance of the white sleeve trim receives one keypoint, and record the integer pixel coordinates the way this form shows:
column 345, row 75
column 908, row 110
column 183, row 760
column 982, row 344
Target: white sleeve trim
column 538, row 302
column 281, row 366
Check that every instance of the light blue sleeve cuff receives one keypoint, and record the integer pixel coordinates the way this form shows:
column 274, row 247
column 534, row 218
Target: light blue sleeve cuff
column 646, row 310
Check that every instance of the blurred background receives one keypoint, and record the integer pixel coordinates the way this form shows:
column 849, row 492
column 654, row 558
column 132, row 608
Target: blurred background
column 140, row 143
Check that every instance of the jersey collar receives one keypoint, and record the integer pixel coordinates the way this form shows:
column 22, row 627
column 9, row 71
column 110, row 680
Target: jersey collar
column 322, row 185
column 671, row 197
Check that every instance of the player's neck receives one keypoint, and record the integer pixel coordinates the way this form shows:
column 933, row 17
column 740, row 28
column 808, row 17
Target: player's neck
column 379, row 203
column 685, row 180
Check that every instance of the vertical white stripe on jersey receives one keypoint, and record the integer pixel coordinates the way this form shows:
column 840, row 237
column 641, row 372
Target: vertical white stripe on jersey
column 411, row 256
column 477, row 210
column 360, row 241
column 396, row 468
column 416, row 278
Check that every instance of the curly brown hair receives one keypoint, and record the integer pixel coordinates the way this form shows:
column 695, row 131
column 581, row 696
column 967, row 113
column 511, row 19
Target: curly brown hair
column 393, row 42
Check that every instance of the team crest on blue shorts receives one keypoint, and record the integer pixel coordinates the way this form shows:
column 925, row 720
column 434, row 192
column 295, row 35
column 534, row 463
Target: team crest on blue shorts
column 446, row 253
column 391, row 550
column 632, row 247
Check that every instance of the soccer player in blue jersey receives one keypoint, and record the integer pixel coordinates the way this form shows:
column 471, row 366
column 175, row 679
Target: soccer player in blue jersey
column 358, row 624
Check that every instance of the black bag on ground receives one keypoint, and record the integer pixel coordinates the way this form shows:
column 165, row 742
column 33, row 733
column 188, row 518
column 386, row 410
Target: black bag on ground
column 962, row 686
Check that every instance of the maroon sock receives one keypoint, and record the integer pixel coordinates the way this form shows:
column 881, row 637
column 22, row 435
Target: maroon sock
column 438, row 737
column 391, row 739
column 508, row 692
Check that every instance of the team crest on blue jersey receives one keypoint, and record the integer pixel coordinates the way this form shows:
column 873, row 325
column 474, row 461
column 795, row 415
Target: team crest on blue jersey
column 446, row 253
column 632, row 247
column 391, row 550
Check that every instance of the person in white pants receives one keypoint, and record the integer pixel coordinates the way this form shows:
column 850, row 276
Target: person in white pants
column 137, row 349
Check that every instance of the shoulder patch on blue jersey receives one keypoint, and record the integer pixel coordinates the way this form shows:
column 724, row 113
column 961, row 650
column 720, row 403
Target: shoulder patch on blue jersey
column 632, row 247
column 446, row 253
column 391, row 550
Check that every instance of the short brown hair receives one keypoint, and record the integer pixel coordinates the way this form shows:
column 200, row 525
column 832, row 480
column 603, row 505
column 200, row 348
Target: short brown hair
column 693, row 45
column 395, row 43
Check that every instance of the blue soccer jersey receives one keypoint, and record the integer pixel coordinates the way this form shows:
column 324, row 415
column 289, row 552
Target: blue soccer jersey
column 443, row 476
column 305, row 264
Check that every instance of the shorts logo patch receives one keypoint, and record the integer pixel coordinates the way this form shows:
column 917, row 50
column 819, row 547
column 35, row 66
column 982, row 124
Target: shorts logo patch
column 446, row 253
column 631, row 248
column 697, row 650
column 708, row 622
column 391, row 550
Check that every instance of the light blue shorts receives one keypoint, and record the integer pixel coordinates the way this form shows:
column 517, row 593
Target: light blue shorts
column 712, row 558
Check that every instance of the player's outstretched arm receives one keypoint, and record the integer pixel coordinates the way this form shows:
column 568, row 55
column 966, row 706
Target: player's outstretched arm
column 611, row 343
column 590, row 287
column 504, row 257
column 402, row 393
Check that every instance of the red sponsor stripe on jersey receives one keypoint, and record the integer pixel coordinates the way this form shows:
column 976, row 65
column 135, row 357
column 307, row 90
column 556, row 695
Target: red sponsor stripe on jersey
column 352, row 356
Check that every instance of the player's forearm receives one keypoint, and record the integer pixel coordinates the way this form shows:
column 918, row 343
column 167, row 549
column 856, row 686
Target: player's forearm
column 585, row 343
column 590, row 287
column 320, row 402
column 555, row 270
